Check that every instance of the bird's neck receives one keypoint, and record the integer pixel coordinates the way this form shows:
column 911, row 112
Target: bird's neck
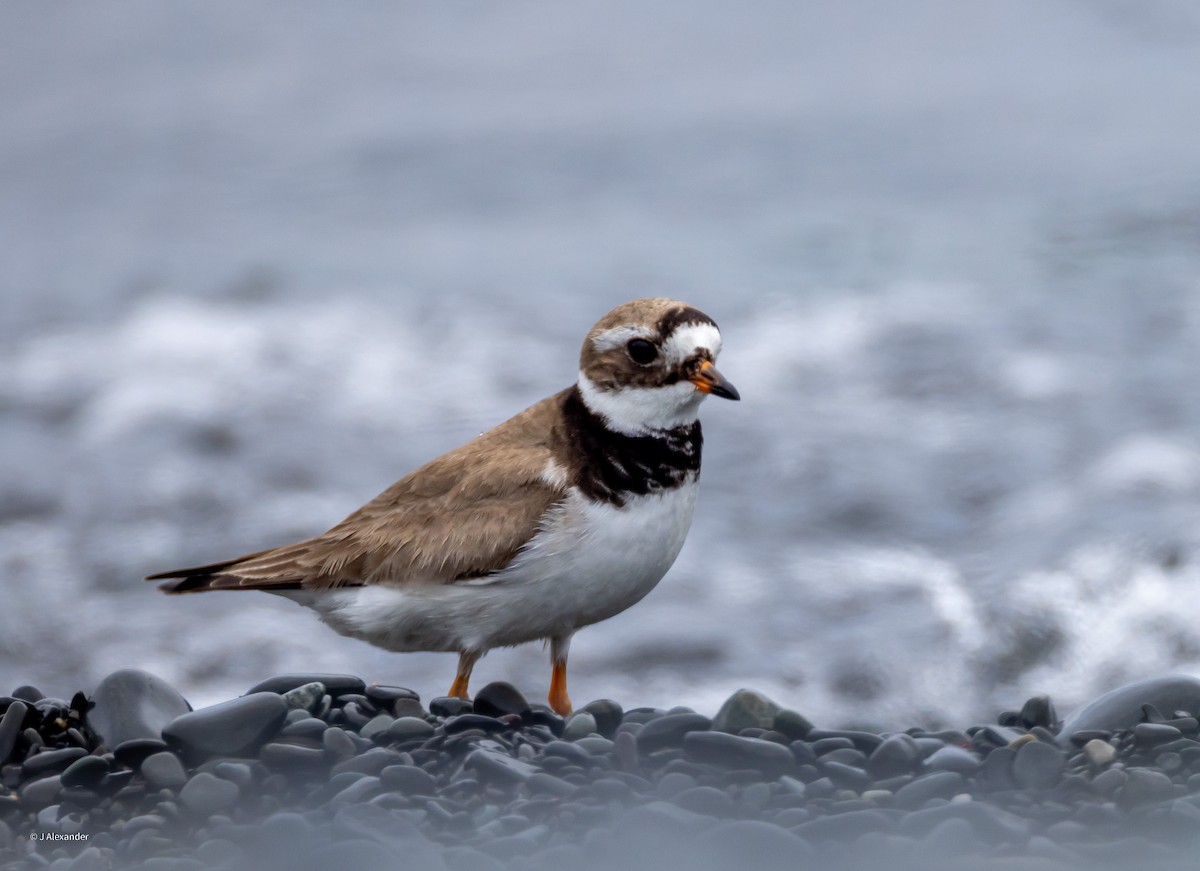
column 614, row 465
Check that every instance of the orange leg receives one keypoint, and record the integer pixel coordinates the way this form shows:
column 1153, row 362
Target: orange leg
column 466, row 662
column 558, row 676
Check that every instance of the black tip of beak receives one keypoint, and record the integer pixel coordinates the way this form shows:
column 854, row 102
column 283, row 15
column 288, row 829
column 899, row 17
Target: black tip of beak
column 726, row 391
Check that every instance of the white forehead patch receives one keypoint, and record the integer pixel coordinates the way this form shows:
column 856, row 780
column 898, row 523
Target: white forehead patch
column 616, row 337
column 687, row 338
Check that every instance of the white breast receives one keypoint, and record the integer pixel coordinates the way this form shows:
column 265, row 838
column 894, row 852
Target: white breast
column 590, row 561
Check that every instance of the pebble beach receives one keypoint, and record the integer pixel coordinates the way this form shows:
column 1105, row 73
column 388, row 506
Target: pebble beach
column 308, row 771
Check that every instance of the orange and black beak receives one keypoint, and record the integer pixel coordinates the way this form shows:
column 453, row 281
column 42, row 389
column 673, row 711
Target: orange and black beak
column 708, row 380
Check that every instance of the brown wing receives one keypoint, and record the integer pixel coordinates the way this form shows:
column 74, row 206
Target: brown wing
column 464, row 515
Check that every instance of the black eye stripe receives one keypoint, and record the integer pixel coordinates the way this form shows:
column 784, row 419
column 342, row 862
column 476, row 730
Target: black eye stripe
column 641, row 351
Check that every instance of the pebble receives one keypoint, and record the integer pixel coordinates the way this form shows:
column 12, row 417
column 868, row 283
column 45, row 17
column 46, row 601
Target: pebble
column 936, row 784
column 132, row 703
column 956, row 759
column 1099, row 753
column 306, row 697
column 607, row 714
column 732, row 751
column 10, row 728
column 206, row 793
column 1144, row 786
column 86, row 771
column 48, row 761
column 579, row 725
column 745, row 709
column 335, row 684
column 500, row 698
column 1037, row 766
column 669, row 731
column 1122, row 708
column 238, row 727
column 163, row 770
column 896, row 754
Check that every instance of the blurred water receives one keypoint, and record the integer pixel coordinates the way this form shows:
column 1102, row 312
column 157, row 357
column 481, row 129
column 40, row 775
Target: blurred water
column 258, row 261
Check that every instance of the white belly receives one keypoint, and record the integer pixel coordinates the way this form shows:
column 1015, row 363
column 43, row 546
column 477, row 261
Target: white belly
column 589, row 562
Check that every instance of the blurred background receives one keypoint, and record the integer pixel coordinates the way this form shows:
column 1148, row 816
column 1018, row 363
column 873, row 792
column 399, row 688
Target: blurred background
column 257, row 261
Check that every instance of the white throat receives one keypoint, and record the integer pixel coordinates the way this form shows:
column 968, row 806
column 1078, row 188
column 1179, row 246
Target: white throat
column 639, row 411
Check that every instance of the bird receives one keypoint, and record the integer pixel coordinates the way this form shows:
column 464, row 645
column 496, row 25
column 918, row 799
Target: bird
column 566, row 514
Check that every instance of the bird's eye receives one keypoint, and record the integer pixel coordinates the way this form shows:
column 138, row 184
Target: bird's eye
column 641, row 351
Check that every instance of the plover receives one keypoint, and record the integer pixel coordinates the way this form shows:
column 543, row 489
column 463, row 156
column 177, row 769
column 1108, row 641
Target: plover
column 558, row 518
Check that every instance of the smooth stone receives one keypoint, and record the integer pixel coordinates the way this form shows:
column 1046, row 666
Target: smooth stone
column 608, row 715
column 567, row 750
column 992, row 823
column 371, row 763
column 279, row 756
column 845, row 776
column 386, row 695
column 51, row 761
column 449, row 706
column 10, row 728
column 164, row 770
column 499, row 698
column 595, row 745
column 1122, row 708
column 1038, row 766
column 1109, row 781
column 235, row 772
column 706, row 800
column 547, row 784
column 236, row 728
column 895, row 755
column 1038, row 711
column 1144, row 786
column 308, row 727
column 28, row 693
column 936, row 784
column 408, row 779
column 499, row 768
column 305, row 697
column 579, row 725
column 40, row 793
column 1149, row 734
column 463, row 722
column 743, row 710
column 956, row 759
column 669, row 731
column 85, row 772
column 206, row 793
column 792, row 724
column 132, row 703
column 732, row 751
column 132, row 752
column 377, row 727
column 1099, row 753
column 335, row 684
column 409, row 729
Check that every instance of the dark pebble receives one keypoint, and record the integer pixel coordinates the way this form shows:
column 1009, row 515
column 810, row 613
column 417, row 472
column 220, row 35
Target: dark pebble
column 1037, row 766
column 795, row 726
column 896, row 754
column 1149, row 734
column 449, row 706
column 10, row 728
column 845, row 776
column 1038, row 711
column 51, row 761
column 744, row 709
column 997, row 769
column 669, row 731
column 372, row 762
column 206, row 793
column 500, row 698
column 335, row 684
column 308, row 727
column 237, row 728
column 27, row 693
column 132, row 752
column 164, row 770
column 498, row 768
column 607, row 714
column 40, row 793
column 936, row 784
column 86, row 772
column 280, row 756
column 463, row 722
column 132, row 703
column 386, row 696
column 731, row 751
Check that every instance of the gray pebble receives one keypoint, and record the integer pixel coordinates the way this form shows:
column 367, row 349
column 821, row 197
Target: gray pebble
column 338, row 744
column 37, row 794
column 579, row 725
column 669, row 731
column 132, row 703
column 408, row 779
column 595, row 745
column 1038, row 766
column 305, row 697
column 1145, row 786
column 732, row 751
column 164, row 770
column 744, row 709
column 936, row 784
column 707, row 800
column 896, row 754
column 377, row 727
column 956, row 759
column 409, row 729
column 206, row 793
column 238, row 727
